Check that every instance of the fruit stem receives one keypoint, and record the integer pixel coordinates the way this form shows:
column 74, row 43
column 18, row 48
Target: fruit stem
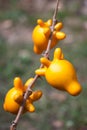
column 29, row 91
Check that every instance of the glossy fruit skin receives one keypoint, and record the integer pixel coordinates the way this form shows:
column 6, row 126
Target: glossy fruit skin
column 10, row 105
column 41, row 34
column 60, row 73
column 14, row 97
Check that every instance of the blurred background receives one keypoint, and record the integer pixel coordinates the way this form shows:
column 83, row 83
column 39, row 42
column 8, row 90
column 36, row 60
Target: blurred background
column 56, row 110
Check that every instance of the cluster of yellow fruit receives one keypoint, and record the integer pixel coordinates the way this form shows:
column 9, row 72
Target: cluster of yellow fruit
column 59, row 72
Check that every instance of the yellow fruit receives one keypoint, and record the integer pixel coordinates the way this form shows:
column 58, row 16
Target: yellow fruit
column 60, row 73
column 14, row 97
column 41, row 34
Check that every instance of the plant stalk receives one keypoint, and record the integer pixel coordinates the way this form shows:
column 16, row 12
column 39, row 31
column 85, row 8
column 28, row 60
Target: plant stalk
column 29, row 91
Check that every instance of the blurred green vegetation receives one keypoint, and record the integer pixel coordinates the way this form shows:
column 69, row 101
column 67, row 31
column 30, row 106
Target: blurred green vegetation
column 56, row 110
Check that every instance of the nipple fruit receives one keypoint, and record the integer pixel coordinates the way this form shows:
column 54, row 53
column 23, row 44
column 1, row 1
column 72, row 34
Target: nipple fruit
column 60, row 73
column 14, row 97
column 41, row 34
